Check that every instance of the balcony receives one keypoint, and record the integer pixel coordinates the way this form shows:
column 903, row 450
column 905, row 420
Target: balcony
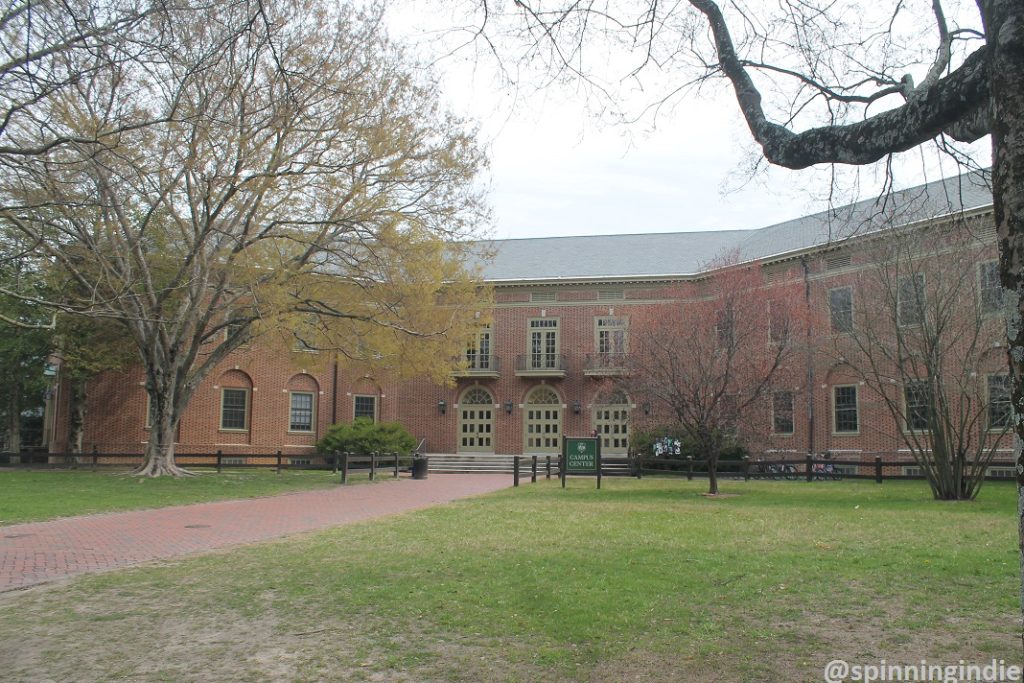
column 541, row 365
column 480, row 366
column 605, row 365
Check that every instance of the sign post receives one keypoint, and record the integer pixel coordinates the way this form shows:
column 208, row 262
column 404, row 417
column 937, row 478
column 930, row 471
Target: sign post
column 581, row 456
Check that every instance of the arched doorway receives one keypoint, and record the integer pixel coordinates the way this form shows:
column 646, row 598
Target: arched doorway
column 611, row 422
column 476, row 421
column 543, row 422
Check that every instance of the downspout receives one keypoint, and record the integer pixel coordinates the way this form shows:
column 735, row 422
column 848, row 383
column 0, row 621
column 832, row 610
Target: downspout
column 810, row 355
column 334, row 393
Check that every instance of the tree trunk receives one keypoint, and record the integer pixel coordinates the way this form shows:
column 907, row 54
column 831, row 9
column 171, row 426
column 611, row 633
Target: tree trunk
column 1004, row 30
column 76, row 415
column 14, row 420
column 158, row 459
column 712, row 455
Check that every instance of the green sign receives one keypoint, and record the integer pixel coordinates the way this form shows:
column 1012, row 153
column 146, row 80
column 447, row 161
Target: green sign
column 581, row 455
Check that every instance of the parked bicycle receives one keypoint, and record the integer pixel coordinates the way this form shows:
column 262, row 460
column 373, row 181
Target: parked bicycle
column 824, row 471
column 776, row 470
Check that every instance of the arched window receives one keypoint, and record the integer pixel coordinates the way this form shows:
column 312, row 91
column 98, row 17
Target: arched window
column 543, row 422
column 302, row 393
column 235, row 401
column 611, row 422
column 476, row 421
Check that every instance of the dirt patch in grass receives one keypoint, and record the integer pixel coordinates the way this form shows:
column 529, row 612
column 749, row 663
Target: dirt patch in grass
column 156, row 637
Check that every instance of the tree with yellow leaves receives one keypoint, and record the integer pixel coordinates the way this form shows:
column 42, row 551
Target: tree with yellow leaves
column 276, row 167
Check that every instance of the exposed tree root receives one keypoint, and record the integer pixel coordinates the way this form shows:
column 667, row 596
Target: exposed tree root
column 160, row 467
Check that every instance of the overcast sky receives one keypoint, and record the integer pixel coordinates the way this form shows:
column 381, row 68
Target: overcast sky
column 557, row 169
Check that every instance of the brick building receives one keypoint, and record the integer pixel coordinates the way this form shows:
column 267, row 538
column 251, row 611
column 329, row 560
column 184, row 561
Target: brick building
column 560, row 336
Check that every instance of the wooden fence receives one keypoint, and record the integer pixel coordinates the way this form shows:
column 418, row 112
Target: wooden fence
column 807, row 468
column 279, row 461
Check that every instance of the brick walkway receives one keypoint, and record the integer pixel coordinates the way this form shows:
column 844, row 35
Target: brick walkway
column 39, row 552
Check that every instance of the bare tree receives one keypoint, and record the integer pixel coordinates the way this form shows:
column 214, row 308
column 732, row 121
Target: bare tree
column 709, row 364
column 256, row 167
column 929, row 347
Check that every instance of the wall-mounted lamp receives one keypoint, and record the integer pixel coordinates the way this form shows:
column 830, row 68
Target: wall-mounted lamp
column 576, row 407
column 442, row 406
column 647, row 409
column 508, row 407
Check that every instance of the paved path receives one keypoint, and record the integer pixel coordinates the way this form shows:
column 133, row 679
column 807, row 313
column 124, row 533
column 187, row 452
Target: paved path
column 39, row 552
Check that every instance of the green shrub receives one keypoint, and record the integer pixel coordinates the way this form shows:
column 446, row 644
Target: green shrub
column 364, row 436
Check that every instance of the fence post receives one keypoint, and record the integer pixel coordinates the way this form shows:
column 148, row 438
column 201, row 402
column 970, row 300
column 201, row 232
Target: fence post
column 218, row 462
column 279, row 462
column 515, row 470
column 373, row 465
column 95, row 457
column 548, row 476
column 396, row 463
column 746, row 468
column 810, row 468
column 689, row 468
column 533, row 470
column 878, row 469
column 344, row 467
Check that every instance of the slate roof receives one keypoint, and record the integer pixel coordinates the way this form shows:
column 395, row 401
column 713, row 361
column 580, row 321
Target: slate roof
column 688, row 253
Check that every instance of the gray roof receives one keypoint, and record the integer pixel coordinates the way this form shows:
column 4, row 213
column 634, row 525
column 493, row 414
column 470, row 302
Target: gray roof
column 687, row 253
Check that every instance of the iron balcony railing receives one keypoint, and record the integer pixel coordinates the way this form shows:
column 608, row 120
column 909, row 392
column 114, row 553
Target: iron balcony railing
column 605, row 363
column 542, row 364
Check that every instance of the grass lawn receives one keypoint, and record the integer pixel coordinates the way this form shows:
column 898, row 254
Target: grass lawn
column 27, row 495
column 641, row 581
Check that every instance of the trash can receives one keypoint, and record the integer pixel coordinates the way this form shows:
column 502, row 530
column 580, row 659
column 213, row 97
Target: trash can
column 419, row 466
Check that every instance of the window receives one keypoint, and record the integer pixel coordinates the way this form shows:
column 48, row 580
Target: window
column 990, row 291
column 306, row 335
column 544, row 346
column 611, row 335
column 729, row 414
column 237, row 322
column 724, row 328
column 543, row 424
column 910, row 300
column 840, row 306
column 542, row 296
column 844, row 410
column 778, row 323
column 234, row 409
column 476, row 421
column 610, row 295
column 917, row 401
column 301, row 412
column 999, row 405
column 1000, row 473
column 478, row 350
column 782, row 412
column 365, row 406
column 611, row 422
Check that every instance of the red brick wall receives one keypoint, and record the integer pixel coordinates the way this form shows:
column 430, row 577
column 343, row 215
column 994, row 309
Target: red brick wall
column 117, row 400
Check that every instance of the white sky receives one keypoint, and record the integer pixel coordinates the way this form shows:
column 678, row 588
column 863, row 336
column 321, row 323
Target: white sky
column 557, row 170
